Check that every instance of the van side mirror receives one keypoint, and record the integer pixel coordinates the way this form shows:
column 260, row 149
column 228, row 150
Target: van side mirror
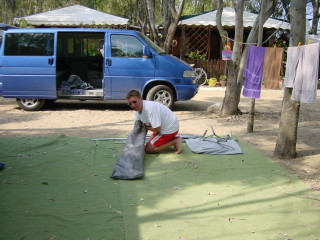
column 147, row 52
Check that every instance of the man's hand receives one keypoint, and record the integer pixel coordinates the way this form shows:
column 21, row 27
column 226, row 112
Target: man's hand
column 149, row 128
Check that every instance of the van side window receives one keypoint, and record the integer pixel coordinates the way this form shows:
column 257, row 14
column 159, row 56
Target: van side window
column 29, row 44
column 126, row 46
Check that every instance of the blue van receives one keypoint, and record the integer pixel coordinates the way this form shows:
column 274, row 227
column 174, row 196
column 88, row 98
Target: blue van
column 39, row 65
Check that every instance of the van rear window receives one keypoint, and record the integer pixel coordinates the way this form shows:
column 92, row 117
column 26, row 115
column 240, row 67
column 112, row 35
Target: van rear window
column 29, row 44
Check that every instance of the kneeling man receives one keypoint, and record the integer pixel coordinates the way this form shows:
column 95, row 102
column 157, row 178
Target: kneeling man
column 159, row 119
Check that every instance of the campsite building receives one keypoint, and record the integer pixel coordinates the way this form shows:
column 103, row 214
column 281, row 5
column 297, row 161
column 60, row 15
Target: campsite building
column 200, row 33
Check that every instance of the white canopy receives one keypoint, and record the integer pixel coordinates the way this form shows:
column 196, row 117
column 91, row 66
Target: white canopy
column 228, row 19
column 76, row 15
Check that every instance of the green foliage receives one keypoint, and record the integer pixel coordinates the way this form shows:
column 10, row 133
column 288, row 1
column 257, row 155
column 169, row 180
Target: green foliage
column 119, row 8
column 196, row 6
column 197, row 55
column 23, row 23
column 223, row 78
column 92, row 46
column 284, row 44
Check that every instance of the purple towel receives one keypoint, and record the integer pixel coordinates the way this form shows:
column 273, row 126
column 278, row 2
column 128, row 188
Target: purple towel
column 253, row 72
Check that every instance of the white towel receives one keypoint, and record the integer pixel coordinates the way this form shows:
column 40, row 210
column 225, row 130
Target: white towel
column 293, row 56
column 306, row 79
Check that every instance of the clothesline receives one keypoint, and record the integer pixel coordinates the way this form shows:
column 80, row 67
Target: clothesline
column 256, row 42
column 250, row 43
column 309, row 42
column 263, row 65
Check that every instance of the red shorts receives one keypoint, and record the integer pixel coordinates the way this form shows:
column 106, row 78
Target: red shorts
column 158, row 139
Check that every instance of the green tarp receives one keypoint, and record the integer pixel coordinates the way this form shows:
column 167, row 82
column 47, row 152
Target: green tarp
column 60, row 188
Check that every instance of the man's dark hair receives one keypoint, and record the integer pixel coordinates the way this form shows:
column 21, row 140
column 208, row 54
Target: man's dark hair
column 133, row 93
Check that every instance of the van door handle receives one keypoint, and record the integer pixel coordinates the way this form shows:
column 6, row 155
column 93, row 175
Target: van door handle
column 50, row 61
column 108, row 62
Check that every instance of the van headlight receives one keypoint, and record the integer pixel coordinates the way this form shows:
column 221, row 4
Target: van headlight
column 189, row 74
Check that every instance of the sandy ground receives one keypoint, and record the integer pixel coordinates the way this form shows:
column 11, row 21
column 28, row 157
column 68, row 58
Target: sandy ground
column 96, row 119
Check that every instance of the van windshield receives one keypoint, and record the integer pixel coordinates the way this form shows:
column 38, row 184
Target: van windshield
column 153, row 45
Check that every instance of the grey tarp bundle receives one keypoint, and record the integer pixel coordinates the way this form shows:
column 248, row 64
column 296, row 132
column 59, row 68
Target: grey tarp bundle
column 130, row 164
column 214, row 146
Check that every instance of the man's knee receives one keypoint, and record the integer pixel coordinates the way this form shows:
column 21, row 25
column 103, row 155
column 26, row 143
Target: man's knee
column 149, row 148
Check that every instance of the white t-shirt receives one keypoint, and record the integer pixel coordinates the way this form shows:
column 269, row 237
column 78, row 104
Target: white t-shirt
column 156, row 115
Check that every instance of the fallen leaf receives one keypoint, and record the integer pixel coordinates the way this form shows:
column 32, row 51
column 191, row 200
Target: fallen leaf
column 157, row 225
column 184, row 205
column 119, row 212
column 299, row 213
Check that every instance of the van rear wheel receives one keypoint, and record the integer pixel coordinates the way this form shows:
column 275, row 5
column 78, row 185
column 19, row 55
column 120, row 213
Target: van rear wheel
column 162, row 94
column 28, row 104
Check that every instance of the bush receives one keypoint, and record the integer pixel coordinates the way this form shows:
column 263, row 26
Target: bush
column 223, row 78
column 197, row 55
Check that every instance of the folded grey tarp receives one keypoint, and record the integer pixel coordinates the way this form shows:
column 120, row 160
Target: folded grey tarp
column 130, row 164
column 214, row 146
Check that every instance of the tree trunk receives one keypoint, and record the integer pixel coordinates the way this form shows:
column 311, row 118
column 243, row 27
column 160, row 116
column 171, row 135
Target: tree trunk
column 288, row 128
column 5, row 12
column 287, row 137
column 230, row 101
column 174, row 23
column 285, row 6
column 152, row 21
column 166, row 17
column 140, row 12
column 233, row 91
column 315, row 18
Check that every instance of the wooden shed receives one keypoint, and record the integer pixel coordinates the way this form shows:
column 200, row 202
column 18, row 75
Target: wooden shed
column 200, row 33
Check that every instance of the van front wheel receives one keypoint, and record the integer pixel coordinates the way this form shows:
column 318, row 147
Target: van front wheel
column 28, row 104
column 162, row 94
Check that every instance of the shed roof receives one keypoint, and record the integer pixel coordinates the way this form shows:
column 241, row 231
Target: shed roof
column 228, row 19
column 75, row 15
